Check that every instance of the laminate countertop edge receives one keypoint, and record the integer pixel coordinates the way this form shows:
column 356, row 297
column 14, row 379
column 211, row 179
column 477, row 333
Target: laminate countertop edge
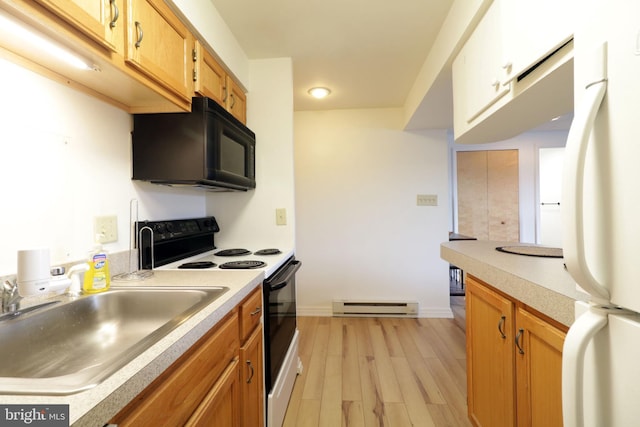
column 541, row 283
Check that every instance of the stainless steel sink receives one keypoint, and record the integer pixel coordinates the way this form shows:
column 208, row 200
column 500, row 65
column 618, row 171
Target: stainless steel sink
column 69, row 347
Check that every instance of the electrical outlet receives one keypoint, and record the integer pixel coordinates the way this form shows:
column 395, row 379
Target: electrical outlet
column 427, row 200
column 107, row 228
column 281, row 216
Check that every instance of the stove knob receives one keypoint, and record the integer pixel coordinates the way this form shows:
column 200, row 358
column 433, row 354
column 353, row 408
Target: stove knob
column 170, row 227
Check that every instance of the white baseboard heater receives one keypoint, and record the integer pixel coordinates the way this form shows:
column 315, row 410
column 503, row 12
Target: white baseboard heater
column 375, row 308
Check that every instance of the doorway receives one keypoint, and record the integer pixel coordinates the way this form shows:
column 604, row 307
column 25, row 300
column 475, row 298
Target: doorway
column 550, row 166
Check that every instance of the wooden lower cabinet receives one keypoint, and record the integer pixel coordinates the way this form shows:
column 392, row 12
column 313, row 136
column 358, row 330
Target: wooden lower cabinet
column 252, row 387
column 220, row 406
column 514, row 361
column 179, row 391
column 490, row 357
column 539, row 368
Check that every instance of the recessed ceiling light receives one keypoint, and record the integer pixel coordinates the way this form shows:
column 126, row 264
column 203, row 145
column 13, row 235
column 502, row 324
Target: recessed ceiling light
column 319, row 92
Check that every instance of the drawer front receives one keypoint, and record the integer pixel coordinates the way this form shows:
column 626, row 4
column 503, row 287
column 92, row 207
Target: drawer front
column 250, row 313
column 172, row 397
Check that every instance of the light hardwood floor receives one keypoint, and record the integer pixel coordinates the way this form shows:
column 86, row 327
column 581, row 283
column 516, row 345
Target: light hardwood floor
column 381, row 372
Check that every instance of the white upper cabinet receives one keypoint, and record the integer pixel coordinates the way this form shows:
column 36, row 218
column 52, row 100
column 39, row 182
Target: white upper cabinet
column 478, row 65
column 505, row 80
column 532, row 30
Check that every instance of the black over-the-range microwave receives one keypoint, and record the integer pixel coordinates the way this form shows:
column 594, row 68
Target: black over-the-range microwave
column 206, row 148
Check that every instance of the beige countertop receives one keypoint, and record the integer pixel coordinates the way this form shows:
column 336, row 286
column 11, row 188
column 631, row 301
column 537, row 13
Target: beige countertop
column 541, row 283
column 95, row 407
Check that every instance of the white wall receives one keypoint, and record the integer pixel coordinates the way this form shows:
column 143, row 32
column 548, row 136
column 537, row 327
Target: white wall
column 249, row 218
column 527, row 145
column 66, row 159
column 359, row 232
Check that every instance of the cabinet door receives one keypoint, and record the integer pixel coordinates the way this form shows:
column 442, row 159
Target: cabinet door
column 487, row 193
column 251, row 379
column 236, row 100
column 250, row 313
column 220, row 407
column 481, row 62
column 502, row 196
column 159, row 45
column 101, row 20
column 490, row 357
column 533, row 29
column 210, row 78
column 539, row 371
column 172, row 398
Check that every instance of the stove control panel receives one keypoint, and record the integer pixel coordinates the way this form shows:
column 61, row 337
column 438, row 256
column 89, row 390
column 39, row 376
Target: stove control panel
column 177, row 228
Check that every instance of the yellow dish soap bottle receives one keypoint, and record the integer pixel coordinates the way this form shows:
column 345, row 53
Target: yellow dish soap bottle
column 97, row 279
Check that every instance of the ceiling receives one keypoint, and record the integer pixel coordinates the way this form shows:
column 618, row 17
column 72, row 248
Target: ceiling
column 368, row 52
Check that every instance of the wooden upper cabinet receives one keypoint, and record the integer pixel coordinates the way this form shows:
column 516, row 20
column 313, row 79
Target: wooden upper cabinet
column 236, row 100
column 159, row 45
column 100, row 20
column 211, row 80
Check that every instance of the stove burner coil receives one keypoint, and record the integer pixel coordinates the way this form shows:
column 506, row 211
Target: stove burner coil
column 232, row 252
column 241, row 265
column 270, row 251
column 197, row 265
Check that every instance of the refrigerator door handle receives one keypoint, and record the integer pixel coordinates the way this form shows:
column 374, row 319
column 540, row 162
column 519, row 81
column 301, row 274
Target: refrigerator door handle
column 575, row 345
column 573, row 181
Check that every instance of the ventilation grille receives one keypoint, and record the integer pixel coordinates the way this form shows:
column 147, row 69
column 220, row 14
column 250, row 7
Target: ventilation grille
column 375, row 308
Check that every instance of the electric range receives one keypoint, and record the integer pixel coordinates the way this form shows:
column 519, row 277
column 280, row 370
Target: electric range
column 189, row 244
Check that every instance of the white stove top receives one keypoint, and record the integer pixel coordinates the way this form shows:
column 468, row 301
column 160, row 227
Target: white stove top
column 273, row 262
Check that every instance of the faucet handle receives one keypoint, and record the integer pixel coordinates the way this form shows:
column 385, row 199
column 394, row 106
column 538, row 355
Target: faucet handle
column 9, row 287
column 10, row 296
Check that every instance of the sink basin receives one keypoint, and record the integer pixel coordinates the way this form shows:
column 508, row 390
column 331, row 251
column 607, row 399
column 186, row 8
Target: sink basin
column 71, row 347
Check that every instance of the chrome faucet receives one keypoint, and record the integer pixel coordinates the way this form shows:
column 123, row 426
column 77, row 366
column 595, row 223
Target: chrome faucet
column 10, row 297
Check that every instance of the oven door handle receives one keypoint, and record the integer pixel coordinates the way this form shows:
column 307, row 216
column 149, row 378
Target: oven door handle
column 278, row 283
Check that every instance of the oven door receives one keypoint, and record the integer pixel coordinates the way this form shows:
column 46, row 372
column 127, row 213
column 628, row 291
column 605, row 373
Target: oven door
column 280, row 318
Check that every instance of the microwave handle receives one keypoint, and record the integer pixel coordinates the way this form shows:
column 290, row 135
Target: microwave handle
column 278, row 283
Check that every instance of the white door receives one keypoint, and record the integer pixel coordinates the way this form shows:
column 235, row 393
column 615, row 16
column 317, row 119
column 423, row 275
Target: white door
column 550, row 162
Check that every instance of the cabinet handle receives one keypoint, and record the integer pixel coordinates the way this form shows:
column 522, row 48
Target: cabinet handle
column 116, row 13
column 256, row 311
column 507, row 66
column 224, row 94
column 233, row 100
column 520, row 332
column 140, row 34
column 250, row 365
column 495, row 83
column 500, row 326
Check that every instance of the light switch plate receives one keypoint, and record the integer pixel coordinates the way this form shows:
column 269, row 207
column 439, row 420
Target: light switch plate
column 427, row 200
column 281, row 216
column 107, row 228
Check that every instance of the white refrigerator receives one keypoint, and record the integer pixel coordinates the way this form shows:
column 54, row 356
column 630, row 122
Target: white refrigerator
column 601, row 218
